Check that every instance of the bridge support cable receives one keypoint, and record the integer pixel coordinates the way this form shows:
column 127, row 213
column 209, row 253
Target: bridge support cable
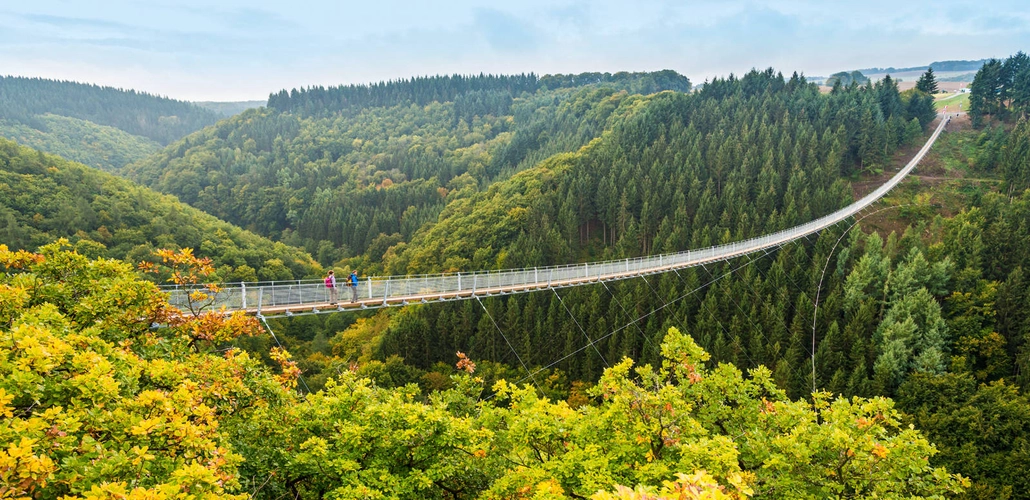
column 510, row 346
column 800, row 289
column 750, row 318
column 683, row 324
column 719, row 321
column 658, row 295
column 269, row 328
column 636, row 321
column 647, row 340
column 822, row 275
column 589, row 342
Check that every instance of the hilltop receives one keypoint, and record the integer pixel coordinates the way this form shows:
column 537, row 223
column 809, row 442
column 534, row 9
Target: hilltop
column 103, row 127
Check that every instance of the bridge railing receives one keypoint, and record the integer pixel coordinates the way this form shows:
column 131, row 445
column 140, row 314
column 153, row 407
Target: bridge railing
column 391, row 288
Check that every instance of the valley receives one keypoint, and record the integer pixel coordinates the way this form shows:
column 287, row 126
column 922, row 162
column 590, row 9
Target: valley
column 897, row 336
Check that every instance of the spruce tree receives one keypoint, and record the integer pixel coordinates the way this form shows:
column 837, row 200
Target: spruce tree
column 927, row 83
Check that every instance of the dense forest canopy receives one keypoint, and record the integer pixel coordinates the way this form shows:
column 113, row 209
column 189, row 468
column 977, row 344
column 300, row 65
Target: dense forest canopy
column 44, row 197
column 740, row 158
column 341, row 184
column 98, row 146
column 492, row 93
column 358, row 183
column 164, row 120
column 1001, row 89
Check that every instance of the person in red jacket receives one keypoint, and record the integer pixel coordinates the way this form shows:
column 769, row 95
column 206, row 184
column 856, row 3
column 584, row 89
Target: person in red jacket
column 330, row 283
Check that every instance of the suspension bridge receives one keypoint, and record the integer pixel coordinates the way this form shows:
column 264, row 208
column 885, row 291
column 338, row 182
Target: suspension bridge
column 278, row 299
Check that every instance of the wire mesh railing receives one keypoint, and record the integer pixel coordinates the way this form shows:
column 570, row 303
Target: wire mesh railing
column 372, row 291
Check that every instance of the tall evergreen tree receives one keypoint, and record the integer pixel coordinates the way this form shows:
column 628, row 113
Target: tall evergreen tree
column 928, row 82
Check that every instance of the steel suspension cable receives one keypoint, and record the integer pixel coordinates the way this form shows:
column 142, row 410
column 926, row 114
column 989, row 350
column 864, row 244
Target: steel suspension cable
column 647, row 340
column 269, row 328
column 642, row 317
column 589, row 342
column 510, row 346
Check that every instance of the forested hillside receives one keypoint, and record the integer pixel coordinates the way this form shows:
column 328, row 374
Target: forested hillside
column 934, row 315
column 161, row 119
column 739, row 159
column 357, row 180
column 475, row 95
column 44, row 197
column 98, row 146
column 670, row 176
column 102, row 127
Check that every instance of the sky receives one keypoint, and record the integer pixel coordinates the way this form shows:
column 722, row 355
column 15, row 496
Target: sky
column 234, row 50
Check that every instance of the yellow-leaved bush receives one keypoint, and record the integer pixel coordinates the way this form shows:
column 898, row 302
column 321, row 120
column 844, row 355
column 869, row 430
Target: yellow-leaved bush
column 95, row 403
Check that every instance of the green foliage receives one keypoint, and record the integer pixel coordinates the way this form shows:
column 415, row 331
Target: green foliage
column 98, row 404
column 353, row 184
column 980, row 429
column 473, row 95
column 43, row 198
column 1014, row 162
column 1001, row 89
column 357, row 440
column 845, row 79
column 98, row 146
column 23, row 100
column 927, row 83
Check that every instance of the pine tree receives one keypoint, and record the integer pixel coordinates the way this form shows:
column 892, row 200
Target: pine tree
column 927, row 83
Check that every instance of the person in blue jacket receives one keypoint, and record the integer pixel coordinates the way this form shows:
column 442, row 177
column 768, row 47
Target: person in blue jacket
column 354, row 285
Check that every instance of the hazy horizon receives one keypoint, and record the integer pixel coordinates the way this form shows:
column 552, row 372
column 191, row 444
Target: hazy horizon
column 242, row 51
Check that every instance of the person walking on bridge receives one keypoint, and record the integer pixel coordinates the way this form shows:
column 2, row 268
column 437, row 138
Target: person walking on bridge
column 354, row 285
column 330, row 283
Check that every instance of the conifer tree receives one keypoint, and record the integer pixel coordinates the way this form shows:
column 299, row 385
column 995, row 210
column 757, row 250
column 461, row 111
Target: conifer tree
column 928, row 82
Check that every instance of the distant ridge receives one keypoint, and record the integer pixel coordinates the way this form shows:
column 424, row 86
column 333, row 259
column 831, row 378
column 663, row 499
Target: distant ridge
column 937, row 66
column 229, row 108
column 483, row 90
column 162, row 119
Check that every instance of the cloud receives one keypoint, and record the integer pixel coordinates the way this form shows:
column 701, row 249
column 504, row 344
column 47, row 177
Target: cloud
column 238, row 49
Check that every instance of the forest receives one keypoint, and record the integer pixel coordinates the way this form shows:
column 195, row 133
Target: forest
column 23, row 100
column 1001, row 89
column 340, row 184
column 488, row 94
column 99, row 146
column 885, row 359
column 44, row 197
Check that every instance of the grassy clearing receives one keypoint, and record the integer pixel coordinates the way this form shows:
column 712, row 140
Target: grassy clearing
column 954, row 102
column 953, row 154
